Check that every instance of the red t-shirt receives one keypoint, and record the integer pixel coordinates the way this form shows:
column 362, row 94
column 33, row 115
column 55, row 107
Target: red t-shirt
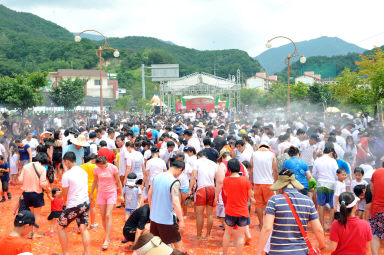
column 228, row 173
column 237, row 189
column 13, row 245
column 105, row 152
column 364, row 144
column 377, row 180
column 351, row 240
column 57, row 205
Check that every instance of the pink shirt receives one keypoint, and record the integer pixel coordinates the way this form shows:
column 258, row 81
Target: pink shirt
column 106, row 180
column 29, row 179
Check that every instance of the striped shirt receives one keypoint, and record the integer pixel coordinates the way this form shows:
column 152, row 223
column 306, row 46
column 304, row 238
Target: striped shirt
column 286, row 236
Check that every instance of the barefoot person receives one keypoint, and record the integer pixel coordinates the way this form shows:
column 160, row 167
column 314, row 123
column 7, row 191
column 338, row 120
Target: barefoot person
column 280, row 222
column 75, row 196
column 238, row 189
column 164, row 201
column 107, row 182
column 204, row 177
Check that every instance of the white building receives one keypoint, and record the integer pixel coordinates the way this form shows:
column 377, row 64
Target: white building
column 92, row 87
column 260, row 81
column 309, row 78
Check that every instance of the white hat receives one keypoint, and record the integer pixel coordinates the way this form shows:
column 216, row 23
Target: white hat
column 80, row 141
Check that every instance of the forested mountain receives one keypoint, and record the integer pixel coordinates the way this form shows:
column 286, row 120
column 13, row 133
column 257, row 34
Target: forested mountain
column 272, row 60
column 30, row 26
column 328, row 67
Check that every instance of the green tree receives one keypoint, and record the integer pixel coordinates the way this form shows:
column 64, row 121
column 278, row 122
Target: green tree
column 23, row 91
column 277, row 96
column 144, row 105
column 372, row 69
column 319, row 94
column 68, row 93
column 299, row 91
column 123, row 103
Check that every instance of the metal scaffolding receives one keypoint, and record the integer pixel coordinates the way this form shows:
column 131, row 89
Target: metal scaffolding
column 203, row 84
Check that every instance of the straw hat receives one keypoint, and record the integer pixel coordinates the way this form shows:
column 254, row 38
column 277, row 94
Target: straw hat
column 200, row 125
column 284, row 180
column 223, row 150
column 80, row 141
column 154, row 247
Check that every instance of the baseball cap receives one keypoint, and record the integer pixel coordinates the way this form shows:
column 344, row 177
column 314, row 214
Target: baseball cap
column 25, row 218
column 149, row 134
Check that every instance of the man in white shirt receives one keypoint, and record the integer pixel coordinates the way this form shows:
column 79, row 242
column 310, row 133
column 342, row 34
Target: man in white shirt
column 192, row 142
column 245, row 153
column 168, row 153
column 204, row 177
column 75, row 196
column 347, row 131
column 308, row 149
column 32, row 142
column 263, row 175
column 111, row 140
column 324, row 171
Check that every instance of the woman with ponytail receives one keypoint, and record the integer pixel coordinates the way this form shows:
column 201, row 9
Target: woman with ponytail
column 349, row 234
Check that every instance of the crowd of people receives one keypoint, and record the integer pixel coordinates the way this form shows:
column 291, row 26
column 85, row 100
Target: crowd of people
column 293, row 173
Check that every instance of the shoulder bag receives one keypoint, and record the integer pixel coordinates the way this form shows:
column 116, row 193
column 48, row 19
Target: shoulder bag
column 311, row 250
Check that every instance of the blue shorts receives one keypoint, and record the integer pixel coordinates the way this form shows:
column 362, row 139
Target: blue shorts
column 130, row 210
column 185, row 191
column 324, row 196
column 237, row 221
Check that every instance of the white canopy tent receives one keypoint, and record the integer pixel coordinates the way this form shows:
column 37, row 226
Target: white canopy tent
column 203, row 84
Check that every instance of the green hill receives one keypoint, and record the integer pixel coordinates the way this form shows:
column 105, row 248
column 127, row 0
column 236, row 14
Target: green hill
column 191, row 60
column 31, row 26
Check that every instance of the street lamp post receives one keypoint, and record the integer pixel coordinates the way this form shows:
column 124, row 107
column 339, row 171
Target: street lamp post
column 99, row 51
column 288, row 63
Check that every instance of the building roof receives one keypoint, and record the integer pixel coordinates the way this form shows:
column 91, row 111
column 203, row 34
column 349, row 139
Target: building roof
column 88, row 101
column 80, row 73
column 199, row 79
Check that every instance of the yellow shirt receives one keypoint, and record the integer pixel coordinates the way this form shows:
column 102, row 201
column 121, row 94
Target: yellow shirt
column 88, row 168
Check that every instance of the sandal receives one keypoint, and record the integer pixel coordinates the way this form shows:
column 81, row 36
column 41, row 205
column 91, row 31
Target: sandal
column 104, row 247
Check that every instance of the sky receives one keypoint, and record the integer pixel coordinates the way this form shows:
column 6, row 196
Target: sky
column 218, row 24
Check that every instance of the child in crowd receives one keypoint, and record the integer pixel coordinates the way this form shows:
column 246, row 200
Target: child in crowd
column 360, row 191
column 56, row 207
column 339, row 188
column 4, row 177
column 349, row 234
column 13, row 168
column 132, row 195
column 15, row 242
column 359, row 175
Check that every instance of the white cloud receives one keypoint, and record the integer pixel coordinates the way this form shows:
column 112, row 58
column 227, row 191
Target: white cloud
column 217, row 24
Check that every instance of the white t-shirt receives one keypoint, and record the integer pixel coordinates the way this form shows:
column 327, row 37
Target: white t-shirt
column 245, row 155
column 155, row 166
column 324, row 171
column 147, row 154
column 76, row 180
column 123, row 160
column 355, row 183
column 2, row 150
column 136, row 160
column 93, row 148
column 190, row 164
column 110, row 143
column 262, row 167
column 166, row 155
column 195, row 143
column 339, row 188
column 206, row 170
column 368, row 171
column 33, row 144
column 306, row 152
